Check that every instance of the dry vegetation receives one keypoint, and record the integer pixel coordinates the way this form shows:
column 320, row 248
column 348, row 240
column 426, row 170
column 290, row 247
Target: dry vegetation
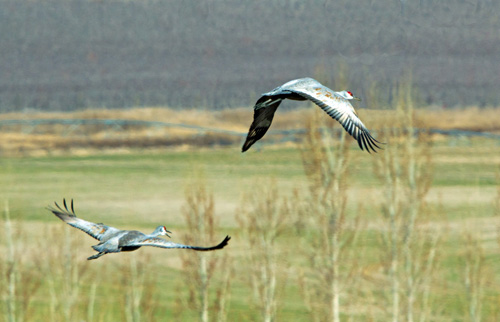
column 83, row 139
column 45, row 139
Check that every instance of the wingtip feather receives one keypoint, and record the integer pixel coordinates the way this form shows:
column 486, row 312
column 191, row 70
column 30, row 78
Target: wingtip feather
column 58, row 210
column 246, row 146
column 223, row 243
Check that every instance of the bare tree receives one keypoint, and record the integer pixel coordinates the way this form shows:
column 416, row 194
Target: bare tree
column 496, row 202
column 474, row 276
column 139, row 290
column 10, row 270
column 18, row 283
column 388, row 172
column 65, row 275
column 262, row 218
column 200, row 268
column 405, row 169
column 329, row 239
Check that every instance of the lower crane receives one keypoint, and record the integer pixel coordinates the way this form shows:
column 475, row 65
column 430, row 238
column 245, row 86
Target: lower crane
column 113, row 240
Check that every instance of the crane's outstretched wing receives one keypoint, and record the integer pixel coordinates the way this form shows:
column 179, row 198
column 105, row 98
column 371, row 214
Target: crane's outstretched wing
column 340, row 109
column 263, row 115
column 160, row 242
column 98, row 231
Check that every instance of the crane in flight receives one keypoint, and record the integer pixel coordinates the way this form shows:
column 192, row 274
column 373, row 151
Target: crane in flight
column 335, row 104
column 113, row 240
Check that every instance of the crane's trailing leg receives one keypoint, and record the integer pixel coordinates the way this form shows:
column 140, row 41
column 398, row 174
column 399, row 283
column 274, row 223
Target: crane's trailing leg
column 96, row 255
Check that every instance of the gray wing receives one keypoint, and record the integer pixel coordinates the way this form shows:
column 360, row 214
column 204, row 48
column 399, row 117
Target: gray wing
column 338, row 108
column 98, row 231
column 263, row 114
column 160, row 242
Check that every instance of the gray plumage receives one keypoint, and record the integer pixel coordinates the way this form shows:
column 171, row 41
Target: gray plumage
column 335, row 104
column 113, row 240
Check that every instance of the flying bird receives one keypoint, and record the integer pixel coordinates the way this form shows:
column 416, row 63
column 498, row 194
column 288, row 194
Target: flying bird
column 335, row 104
column 113, row 240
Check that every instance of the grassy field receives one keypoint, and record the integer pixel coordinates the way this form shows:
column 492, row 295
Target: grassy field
column 142, row 188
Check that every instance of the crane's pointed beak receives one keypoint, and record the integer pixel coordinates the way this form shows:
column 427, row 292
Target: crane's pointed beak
column 356, row 98
column 166, row 231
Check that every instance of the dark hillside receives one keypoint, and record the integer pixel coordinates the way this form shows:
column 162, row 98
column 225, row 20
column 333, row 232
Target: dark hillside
column 71, row 54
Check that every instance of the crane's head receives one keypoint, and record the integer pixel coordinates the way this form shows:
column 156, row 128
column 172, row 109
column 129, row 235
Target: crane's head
column 161, row 231
column 349, row 95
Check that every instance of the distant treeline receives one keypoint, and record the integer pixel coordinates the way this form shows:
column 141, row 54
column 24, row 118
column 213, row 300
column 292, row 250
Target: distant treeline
column 73, row 54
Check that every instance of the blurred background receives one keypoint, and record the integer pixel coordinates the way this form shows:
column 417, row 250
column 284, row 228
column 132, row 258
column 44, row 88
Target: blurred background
column 137, row 110
column 67, row 55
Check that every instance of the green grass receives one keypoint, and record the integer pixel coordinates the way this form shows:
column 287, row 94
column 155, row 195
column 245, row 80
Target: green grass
column 146, row 188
